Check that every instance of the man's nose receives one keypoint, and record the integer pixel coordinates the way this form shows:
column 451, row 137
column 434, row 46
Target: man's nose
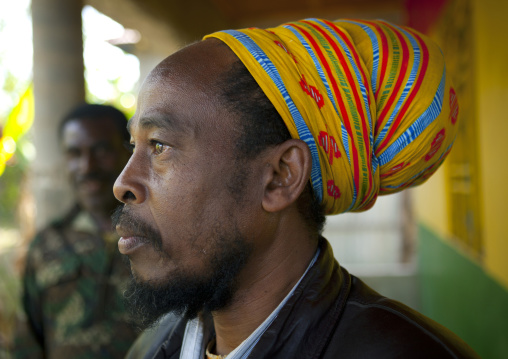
column 129, row 187
column 87, row 163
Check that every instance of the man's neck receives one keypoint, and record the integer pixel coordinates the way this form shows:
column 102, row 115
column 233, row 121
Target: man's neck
column 271, row 279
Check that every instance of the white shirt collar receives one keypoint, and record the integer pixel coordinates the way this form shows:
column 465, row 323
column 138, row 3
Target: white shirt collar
column 194, row 341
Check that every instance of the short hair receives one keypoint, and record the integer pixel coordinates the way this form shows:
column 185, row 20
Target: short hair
column 96, row 112
column 262, row 127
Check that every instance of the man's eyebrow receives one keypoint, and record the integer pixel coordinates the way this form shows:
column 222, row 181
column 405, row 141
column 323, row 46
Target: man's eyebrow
column 155, row 122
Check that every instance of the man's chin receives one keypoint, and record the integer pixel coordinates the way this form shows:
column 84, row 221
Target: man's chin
column 188, row 294
column 143, row 315
column 147, row 302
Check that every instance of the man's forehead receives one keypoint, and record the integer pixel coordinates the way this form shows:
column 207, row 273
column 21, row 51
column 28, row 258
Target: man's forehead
column 155, row 119
column 90, row 123
column 177, row 74
column 206, row 59
column 183, row 83
column 90, row 130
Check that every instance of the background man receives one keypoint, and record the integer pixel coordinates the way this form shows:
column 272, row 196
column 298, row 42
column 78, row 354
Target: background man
column 74, row 277
column 220, row 221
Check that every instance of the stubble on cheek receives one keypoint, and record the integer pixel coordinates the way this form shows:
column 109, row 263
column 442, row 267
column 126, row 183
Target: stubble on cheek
column 150, row 260
column 200, row 258
column 189, row 289
column 152, row 266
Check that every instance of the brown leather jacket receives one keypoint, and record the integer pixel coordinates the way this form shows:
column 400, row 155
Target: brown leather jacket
column 332, row 314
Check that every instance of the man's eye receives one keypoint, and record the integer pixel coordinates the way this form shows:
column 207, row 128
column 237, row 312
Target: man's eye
column 102, row 150
column 159, row 147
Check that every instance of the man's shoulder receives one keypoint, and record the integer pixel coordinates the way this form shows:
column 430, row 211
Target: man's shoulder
column 73, row 233
column 374, row 326
column 58, row 251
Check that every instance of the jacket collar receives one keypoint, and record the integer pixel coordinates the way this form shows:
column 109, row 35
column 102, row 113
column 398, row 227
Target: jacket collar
column 306, row 323
column 304, row 326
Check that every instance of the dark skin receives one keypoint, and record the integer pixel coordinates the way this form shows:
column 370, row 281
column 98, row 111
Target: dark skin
column 176, row 179
column 94, row 155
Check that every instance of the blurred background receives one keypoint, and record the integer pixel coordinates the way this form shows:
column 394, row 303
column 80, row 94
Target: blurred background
column 441, row 249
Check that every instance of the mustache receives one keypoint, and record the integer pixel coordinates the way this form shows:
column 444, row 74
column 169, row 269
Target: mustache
column 123, row 217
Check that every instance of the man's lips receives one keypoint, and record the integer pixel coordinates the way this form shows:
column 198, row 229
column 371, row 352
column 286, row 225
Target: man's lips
column 129, row 242
column 127, row 245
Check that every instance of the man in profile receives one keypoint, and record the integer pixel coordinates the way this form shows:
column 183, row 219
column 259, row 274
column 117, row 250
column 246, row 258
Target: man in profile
column 242, row 143
column 74, row 276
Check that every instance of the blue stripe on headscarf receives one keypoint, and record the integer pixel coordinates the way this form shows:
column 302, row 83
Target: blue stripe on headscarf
column 303, row 131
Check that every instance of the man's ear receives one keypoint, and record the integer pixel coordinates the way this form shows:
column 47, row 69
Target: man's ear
column 287, row 174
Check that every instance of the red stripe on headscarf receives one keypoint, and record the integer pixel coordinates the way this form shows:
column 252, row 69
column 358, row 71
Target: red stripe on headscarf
column 353, row 51
column 400, row 78
column 383, row 50
column 342, row 107
column 414, row 91
column 358, row 99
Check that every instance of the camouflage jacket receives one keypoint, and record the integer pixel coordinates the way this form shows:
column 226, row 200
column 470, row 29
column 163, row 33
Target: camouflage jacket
column 73, row 294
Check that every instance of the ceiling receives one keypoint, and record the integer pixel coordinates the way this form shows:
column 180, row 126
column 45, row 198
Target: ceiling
column 167, row 25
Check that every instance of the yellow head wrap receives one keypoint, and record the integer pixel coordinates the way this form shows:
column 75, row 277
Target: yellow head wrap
column 372, row 101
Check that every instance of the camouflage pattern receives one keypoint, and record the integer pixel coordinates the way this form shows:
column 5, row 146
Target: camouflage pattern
column 73, row 294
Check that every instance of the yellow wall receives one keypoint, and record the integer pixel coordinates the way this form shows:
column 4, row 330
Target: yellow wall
column 491, row 58
column 490, row 86
column 430, row 202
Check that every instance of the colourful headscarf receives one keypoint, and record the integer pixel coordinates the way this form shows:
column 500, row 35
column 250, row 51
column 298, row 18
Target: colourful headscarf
column 372, row 100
